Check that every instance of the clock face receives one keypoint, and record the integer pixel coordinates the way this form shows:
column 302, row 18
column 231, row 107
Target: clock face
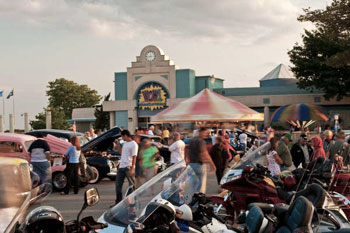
column 150, row 56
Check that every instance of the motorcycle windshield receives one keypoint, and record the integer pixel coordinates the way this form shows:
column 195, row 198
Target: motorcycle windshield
column 132, row 207
column 183, row 188
column 253, row 157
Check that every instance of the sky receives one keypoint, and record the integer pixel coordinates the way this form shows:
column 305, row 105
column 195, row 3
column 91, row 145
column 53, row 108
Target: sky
column 88, row 40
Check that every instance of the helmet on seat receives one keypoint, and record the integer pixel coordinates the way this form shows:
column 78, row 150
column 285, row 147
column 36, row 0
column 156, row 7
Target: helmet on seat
column 44, row 219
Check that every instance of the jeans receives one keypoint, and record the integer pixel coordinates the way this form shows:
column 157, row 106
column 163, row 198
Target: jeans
column 201, row 171
column 119, row 181
column 43, row 169
column 72, row 173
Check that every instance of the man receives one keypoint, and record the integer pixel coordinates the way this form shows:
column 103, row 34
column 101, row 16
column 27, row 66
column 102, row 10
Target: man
column 338, row 149
column 39, row 152
column 328, row 137
column 243, row 140
column 127, row 163
column 177, row 149
column 284, row 153
column 150, row 130
column 197, row 157
column 301, row 152
column 214, row 136
column 166, row 135
column 92, row 134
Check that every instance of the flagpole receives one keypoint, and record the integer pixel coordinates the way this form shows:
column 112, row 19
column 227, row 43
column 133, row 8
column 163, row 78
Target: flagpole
column 3, row 108
column 13, row 104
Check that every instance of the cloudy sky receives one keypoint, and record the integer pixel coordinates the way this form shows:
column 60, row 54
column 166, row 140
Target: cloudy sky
column 88, row 40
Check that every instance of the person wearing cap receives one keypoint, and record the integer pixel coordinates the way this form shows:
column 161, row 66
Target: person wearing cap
column 338, row 149
column 284, row 152
column 301, row 151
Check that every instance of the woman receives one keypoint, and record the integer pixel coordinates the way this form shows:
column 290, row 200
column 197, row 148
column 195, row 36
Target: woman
column 318, row 148
column 273, row 158
column 219, row 155
column 72, row 169
column 147, row 158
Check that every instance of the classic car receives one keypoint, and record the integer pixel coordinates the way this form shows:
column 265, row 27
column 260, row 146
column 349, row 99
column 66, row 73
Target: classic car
column 15, row 186
column 15, row 145
column 63, row 134
column 101, row 157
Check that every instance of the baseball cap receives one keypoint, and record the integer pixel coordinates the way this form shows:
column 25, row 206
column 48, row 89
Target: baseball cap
column 289, row 137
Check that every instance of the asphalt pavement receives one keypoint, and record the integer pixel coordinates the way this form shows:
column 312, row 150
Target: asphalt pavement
column 70, row 205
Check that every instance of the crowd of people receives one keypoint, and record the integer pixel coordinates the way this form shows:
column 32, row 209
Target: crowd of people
column 281, row 156
column 138, row 157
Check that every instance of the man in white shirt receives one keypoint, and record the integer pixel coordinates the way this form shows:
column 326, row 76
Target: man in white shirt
column 214, row 136
column 127, row 163
column 150, row 131
column 243, row 140
column 177, row 149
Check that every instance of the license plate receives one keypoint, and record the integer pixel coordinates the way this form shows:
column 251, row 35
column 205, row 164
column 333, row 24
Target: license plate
column 57, row 161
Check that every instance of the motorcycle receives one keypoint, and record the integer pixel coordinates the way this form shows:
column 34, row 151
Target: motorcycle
column 47, row 219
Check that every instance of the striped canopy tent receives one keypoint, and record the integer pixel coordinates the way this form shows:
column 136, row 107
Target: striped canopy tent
column 299, row 112
column 207, row 106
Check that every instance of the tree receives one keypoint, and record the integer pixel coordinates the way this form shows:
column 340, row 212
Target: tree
column 65, row 95
column 323, row 60
column 57, row 117
column 102, row 118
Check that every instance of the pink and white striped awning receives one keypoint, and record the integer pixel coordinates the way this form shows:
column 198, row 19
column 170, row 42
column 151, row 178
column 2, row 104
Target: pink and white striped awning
column 207, row 106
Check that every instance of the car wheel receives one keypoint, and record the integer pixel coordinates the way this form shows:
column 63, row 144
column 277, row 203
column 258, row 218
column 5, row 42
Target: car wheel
column 112, row 178
column 59, row 181
column 96, row 174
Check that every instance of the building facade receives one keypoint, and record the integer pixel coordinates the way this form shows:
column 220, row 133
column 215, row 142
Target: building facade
column 153, row 82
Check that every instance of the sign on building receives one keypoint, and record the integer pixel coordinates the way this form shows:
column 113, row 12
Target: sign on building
column 152, row 97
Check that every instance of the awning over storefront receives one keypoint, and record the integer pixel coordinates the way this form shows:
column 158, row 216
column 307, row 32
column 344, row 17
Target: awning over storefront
column 207, row 106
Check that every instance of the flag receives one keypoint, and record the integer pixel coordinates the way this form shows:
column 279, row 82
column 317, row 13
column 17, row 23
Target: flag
column 1, row 92
column 10, row 94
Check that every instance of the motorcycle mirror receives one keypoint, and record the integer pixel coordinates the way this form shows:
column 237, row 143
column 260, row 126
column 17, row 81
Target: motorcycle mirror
column 92, row 197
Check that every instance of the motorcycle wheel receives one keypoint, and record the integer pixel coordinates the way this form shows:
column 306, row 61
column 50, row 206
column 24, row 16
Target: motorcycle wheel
column 59, row 181
column 96, row 174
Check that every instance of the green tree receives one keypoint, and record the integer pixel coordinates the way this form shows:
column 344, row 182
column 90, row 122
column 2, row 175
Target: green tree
column 323, row 60
column 65, row 95
column 58, row 120
column 102, row 118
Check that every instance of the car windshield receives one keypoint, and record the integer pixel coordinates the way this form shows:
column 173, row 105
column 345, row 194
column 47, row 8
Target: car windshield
column 28, row 143
column 130, row 209
column 253, row 157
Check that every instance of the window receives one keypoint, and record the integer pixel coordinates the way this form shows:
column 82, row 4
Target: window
column 10, row 147
column 266, row 100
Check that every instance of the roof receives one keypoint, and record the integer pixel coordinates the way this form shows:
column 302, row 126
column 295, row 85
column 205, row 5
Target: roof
column 12, row 161
column 16, row 137
column 280, row 72
column 254, row 91
column 83, row 113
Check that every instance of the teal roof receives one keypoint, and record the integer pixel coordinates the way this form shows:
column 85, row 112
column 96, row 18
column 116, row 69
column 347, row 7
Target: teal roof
column 254, row 91
column 280, row 72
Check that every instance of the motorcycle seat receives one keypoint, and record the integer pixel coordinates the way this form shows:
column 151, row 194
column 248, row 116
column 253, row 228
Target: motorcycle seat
column 299, row 216
column 255, row 218
column 314, row 193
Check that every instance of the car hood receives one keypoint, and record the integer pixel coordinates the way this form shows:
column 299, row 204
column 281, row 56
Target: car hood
column 57, row 145
column 102, row 142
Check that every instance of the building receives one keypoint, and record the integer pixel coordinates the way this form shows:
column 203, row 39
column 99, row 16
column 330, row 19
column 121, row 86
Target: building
column 153, row 82
column 84, row 118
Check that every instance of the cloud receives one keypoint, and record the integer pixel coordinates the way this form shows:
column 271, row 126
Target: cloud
column 238, row 21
